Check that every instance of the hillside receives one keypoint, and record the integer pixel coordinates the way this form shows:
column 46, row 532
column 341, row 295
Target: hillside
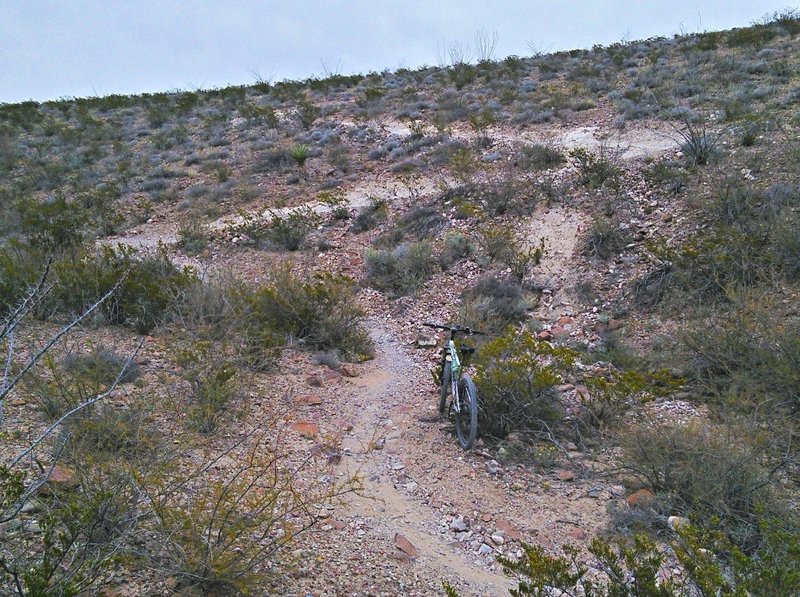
column 249, row 269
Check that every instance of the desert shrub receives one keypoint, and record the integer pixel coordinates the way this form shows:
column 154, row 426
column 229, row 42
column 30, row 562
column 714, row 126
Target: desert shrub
column 539, row 156
column 746, row 355
column 666, row 175
column 289, row 231
column 497, row 243
column 699, row 145
column 786, row 247
column 77, row 538
column 506, row 194
column 339, row 156
column 193, row 237
column 211, row 378
column 102, row 366
column 401, row 270
column 58, row 385
column 206, row 307
column 706, row 471
column 272, row 160
column 20, row 267
column 724, row 259
column 265, row 115
column 523, row 259
column 462, row 164
column 148, row 285
column 53, row 225
column 612, row 395
column 422, row 222
column 494, row 303
column 516, row 375
column 756, row 35
column 369, row 216
column 456, row 247
column 480, row 123
column 605, row 238
column 320, row 313
column 307, row 113
column 634, row 566
column 226, row 531
column 111, row 432
column 596, row 171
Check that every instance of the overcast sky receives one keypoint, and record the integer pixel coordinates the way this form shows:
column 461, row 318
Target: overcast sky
column 66, row 48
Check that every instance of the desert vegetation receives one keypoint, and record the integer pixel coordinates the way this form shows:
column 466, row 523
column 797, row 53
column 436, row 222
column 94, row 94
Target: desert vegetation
column 192, row 283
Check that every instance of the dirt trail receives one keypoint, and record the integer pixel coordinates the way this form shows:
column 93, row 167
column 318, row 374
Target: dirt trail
column 384, row 406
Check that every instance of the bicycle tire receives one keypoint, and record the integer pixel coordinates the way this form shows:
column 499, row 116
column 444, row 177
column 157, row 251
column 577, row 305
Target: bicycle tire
column 444, row 389
column 467, row 418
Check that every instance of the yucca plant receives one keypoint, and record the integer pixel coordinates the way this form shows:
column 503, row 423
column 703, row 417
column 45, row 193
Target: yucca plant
column 299, row 153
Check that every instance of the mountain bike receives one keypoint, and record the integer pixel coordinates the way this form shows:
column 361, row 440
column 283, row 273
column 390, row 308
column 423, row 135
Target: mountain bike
column 454, row 382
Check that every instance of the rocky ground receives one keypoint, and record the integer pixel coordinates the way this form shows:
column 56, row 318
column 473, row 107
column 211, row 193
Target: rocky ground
column 428, row 511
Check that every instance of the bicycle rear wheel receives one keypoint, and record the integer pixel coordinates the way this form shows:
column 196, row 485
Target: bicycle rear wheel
column 444, row 389
column 467, row 416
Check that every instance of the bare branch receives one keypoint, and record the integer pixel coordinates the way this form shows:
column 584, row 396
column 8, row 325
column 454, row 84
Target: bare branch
column 8, row 386
column 485, row 45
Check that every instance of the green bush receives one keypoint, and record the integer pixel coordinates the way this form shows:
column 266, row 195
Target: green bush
column 58, row 385
column 321, row 313
column 516, row 386
column 605, row 239
column 54, row 225
column 307, row 113
column 456, row 247
column 289, row 231
column 596, row 171
column 210, row 375
column 148, row 285
column 369, row 216
column 401, row 270
column 111, row 432
column 633, row 567
column 193, row 237
column 495, row 303
column 746, row 355
column 20, row 270
column 422, row 222
column 707, row 472
column 538, row 156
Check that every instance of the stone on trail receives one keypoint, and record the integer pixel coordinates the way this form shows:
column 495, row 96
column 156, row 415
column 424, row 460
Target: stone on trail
column 349, row 370
column 404, row 545
column 459, row 525
column 508, row 529
column 306, row 429
column 566, row 476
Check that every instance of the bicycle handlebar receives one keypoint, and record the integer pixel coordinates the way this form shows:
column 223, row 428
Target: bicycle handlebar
column 454, row 329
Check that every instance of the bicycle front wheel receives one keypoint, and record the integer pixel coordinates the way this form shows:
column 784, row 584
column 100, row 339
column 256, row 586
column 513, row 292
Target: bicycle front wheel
column 444, row 390
column 467, row 416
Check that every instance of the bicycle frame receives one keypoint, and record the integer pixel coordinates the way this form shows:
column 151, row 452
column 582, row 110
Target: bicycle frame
column 455, row 371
